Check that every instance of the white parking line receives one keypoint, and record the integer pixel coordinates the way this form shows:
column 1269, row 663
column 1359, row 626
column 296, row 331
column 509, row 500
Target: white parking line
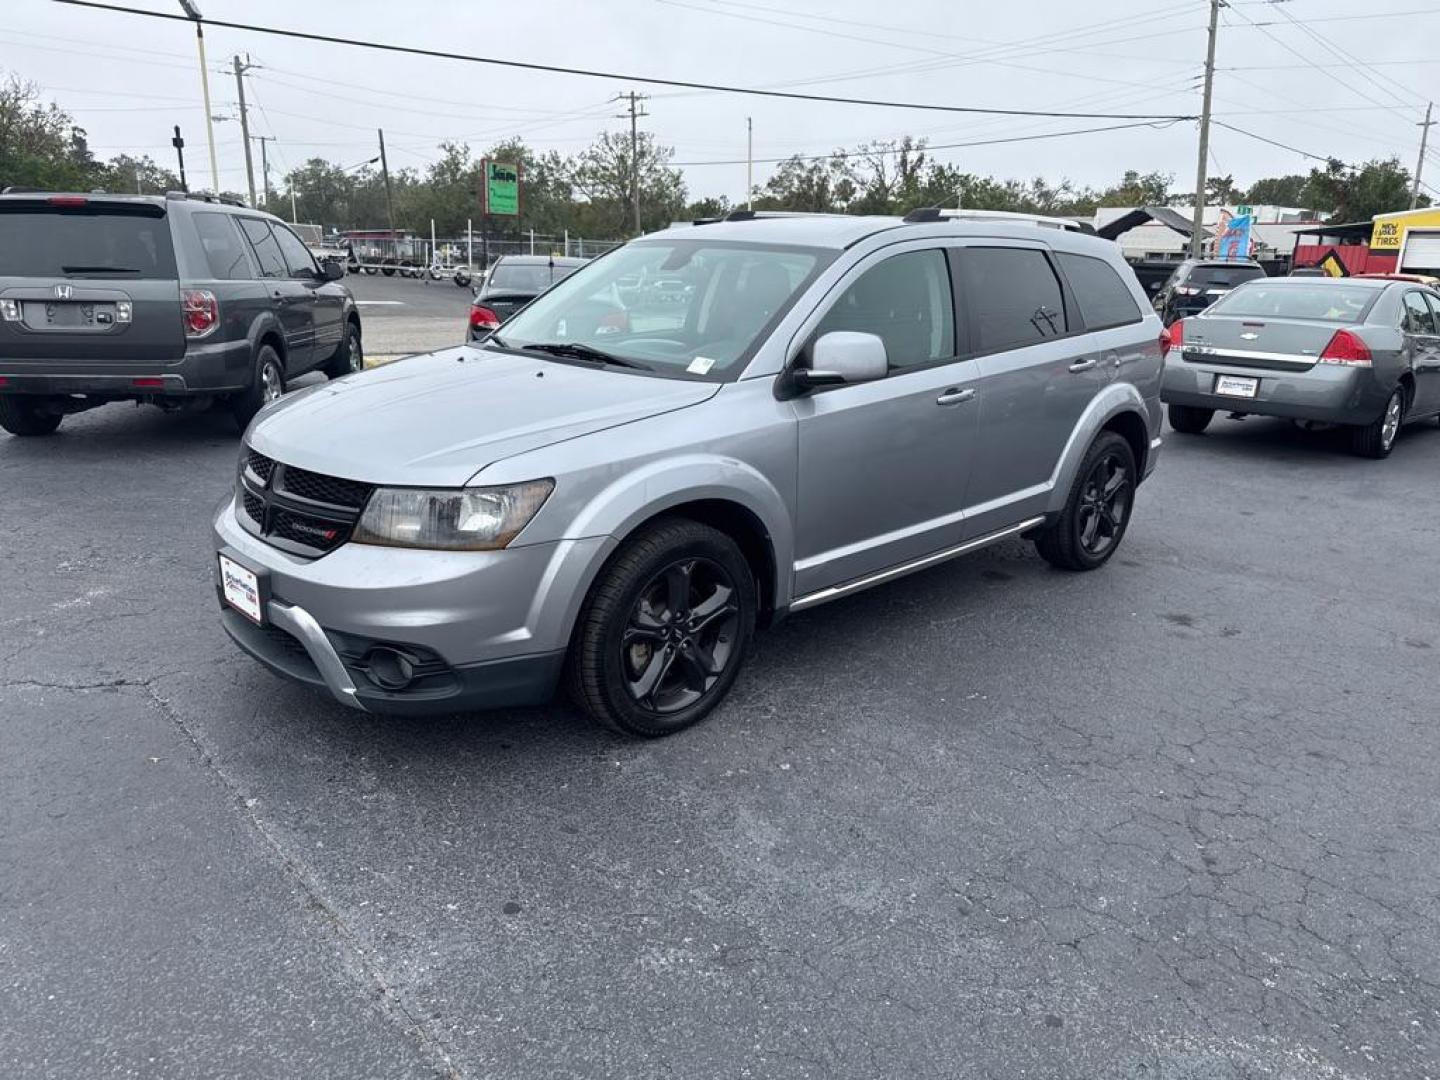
column 386, row 303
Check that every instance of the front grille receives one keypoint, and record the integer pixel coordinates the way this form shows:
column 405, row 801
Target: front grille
column 286, row 640
column 296, row 510
column 326, row 489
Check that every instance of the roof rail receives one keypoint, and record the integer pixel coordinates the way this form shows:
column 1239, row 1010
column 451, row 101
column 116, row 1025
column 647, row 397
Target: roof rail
column 206, row 196
column 936, row 213
column 20, row 189
column 761, row 215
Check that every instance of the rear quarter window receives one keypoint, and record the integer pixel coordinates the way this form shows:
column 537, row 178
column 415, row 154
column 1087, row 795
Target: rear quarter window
column 1100, row 292
column 223, row 249
column 94, row 241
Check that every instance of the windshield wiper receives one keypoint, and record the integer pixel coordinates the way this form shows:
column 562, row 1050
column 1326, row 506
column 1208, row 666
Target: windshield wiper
column 81, row 269
column 579, row 351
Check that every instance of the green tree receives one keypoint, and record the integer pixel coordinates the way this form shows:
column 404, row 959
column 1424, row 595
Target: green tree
column 1221, row 190
column 817, row 186
column 602, row 174
column 140, row 176
column 1279, row 191
column 40, row 146
column 1358, row 194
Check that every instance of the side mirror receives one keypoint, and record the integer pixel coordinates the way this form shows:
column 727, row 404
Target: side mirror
column 843, row 356
column 331, row 270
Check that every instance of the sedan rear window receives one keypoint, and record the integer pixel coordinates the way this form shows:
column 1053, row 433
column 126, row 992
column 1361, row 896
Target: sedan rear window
column 1323, row 301
column 91, row 242
column 528, row 277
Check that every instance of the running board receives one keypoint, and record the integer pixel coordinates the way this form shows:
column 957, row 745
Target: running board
column 834, row 592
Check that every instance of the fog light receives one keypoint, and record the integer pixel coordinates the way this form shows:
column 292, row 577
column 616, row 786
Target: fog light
column 9, row 311
column 389, row 669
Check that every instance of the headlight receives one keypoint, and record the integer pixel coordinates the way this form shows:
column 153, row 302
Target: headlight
column 465, row 519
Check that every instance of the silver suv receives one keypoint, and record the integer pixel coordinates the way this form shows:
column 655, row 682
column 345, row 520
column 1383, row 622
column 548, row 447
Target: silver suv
column 614, row 491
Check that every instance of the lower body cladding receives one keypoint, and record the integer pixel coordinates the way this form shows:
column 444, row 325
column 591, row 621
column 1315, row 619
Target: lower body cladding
column 404, row 631
column 1326, row 393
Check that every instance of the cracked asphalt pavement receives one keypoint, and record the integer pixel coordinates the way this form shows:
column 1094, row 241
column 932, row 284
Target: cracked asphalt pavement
column 1174, row 819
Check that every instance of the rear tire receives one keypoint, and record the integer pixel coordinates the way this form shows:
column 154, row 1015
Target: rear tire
column 26, row 416
column 1189, row 420
column 350, row 357
column 268, row 385
column 663, row 632
column 1377, row 438
column 1097, row 513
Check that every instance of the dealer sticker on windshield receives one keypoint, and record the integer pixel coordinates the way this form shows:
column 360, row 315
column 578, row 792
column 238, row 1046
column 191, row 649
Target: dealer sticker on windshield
column 701, row 365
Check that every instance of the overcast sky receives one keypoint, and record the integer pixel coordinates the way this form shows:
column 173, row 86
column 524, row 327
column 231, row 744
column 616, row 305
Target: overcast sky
column 127, row 79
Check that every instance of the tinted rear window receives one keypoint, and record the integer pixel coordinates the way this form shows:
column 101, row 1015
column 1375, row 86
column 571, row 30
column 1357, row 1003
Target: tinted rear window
column 1329, row 303
column 1224, row 275
column 1104, row 298
column 1012, row 296
column 224, row 250
column 528, row 278
column 91, row 242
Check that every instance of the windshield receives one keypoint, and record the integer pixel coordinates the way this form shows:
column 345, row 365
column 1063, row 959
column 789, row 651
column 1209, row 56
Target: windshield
column 94, row 242
column 1324, row 301
column 1224, row 275
column 677, row 306
column 528, row 277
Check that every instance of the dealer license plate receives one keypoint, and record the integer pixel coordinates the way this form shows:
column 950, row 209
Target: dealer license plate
column 241, row 588
column 1236, row 386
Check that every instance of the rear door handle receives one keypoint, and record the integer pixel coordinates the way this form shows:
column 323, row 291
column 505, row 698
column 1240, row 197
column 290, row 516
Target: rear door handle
column 1083, row 365
column 954, row 396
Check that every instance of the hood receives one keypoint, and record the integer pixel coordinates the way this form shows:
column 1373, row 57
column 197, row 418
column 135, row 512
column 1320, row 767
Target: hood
column 437, row 419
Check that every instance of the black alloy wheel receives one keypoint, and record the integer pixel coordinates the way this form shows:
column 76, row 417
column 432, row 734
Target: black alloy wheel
column 664, row 630
column 680, row 636
column 1090, row 527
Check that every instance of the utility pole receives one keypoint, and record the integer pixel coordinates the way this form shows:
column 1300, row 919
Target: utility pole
column 385, row 172
column 749, row 164
column 193, row 12
column 240, row 70
column 1198, row 223
column 1420, row 163
column 634, row 113
column 179, row 144
column 264, row 165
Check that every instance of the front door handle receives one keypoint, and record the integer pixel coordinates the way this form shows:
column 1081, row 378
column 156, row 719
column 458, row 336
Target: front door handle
column 954, row 396
column 1083, row 365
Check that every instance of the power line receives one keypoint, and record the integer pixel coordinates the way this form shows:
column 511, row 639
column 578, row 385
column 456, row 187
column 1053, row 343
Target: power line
column 936, row 146
column 437, row 54
column 1273, row 142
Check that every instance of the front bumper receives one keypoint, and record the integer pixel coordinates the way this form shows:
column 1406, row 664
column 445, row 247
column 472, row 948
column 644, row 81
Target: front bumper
column 494, row 625
column 1327, row 393
column 208, row 367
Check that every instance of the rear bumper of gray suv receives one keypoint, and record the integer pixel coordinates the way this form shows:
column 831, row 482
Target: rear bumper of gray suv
column 206, row 368
column 486, row 629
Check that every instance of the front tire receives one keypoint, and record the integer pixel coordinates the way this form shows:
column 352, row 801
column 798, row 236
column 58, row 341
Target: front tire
column 1189, row 420
column 350, row 357
column 27, row 416
column 1097, row 513
column 663, row 633
column 268, row 385
column 1377, row 439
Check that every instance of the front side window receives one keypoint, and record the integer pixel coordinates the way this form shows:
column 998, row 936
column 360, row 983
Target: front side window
column 299, row 263
column 1102, row 295
column 267, row 250
column 224, row 250
column 1012, row 297
column 907, row 301
column 680, row 307
column 1418, row 318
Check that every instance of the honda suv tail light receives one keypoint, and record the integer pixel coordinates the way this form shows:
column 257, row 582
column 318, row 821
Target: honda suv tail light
column 482, row 318
column 1346, row 349
column 201, row 312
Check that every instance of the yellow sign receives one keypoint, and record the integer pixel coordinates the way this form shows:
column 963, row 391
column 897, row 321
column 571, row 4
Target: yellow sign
column 1389, row 231
column 1332, row 265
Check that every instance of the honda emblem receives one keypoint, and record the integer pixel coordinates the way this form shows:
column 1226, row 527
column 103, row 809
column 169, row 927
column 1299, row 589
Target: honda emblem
column 63, row 292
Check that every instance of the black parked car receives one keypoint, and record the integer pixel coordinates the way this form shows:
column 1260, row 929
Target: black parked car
column 179, row 301
column 512, row 282
column 1198, row 283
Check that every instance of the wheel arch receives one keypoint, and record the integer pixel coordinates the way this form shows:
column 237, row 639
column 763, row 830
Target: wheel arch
column 1119, row 408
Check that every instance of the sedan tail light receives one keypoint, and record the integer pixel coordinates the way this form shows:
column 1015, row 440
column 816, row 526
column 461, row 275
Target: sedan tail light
column 1346, row 349
column 1173, row 336
column 200, row 311
column 482, row 318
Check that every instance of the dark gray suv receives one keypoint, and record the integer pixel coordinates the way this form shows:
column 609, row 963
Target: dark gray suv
column 178, row 301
